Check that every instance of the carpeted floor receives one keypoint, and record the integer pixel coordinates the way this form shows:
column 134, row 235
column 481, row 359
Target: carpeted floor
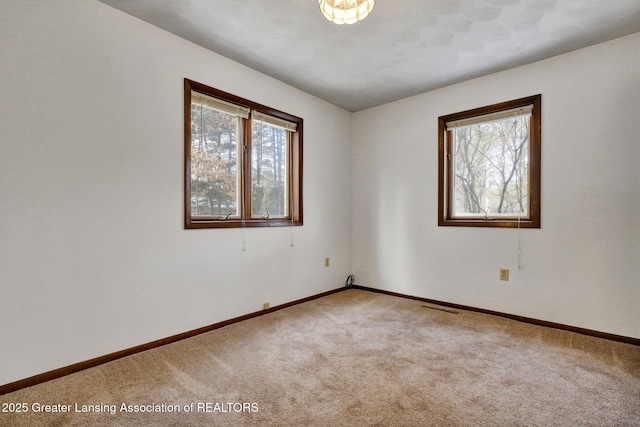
column 354, row 358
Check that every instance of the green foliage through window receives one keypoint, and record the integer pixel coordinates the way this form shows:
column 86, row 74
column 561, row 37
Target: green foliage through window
column 243, row 162
column 214, row 162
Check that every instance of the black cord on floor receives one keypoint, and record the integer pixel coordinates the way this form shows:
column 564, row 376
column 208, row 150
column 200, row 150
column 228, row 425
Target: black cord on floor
column 349, row 282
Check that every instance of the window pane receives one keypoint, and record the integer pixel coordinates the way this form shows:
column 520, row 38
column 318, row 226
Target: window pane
column 491, row 168
column 269, row 170
column 214, row 162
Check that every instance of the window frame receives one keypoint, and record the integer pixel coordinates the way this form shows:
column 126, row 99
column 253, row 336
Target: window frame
column 446, row 160
column 294, row 167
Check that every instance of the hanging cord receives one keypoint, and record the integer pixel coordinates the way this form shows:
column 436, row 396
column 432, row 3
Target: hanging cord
column 520, row 266
column 291, row 231
column 244, row 235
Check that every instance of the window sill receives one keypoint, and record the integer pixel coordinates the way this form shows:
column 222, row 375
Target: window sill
column 497, row 223
column 236, row 223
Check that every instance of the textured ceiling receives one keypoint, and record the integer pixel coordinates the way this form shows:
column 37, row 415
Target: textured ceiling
column 403, row 48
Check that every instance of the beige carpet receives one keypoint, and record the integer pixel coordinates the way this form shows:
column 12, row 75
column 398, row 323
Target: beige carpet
column 355, row 358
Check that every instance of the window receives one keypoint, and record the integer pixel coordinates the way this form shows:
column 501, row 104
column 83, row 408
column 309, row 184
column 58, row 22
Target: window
column 243, row 162
column 489, row 166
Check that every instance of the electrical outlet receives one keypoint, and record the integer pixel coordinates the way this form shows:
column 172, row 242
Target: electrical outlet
column 504, row 274
column 326, row 262
column 265, row 306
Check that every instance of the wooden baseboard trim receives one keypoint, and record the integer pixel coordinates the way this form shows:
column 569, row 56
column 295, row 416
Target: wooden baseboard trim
column 76, row 367
column 597, row 334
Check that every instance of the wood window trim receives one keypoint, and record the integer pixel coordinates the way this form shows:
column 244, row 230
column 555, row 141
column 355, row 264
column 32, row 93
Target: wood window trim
column 295, row 217
column 445, row 169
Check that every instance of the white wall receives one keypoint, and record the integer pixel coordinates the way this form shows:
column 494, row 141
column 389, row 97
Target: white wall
column 582, row 267
column 93, row 254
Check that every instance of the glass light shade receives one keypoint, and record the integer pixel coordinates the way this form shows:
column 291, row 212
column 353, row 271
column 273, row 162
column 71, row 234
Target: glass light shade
column 346, row 11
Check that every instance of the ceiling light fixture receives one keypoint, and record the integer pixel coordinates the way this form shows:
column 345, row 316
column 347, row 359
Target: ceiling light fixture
column 346, row 11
